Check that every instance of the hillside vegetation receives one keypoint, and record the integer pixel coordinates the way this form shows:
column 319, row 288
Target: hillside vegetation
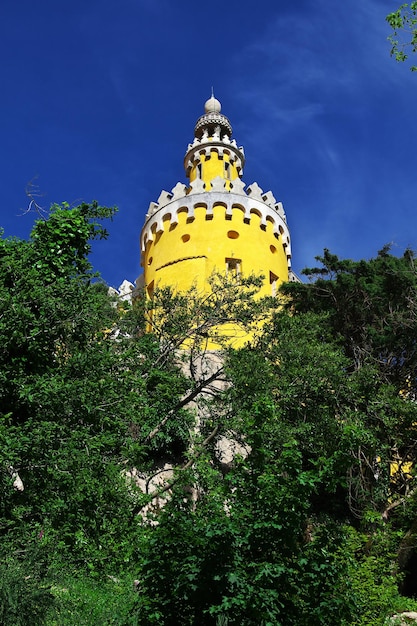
column 145, row 481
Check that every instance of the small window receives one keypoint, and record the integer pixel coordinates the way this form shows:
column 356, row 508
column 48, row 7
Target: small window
column 185, row 238
column 150, row 260
column 150, row 289
column 198, row 170
column 233, row 267
column 273, row 281
column 232, row 234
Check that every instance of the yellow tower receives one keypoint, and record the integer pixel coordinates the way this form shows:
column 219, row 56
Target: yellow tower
column 215, row 223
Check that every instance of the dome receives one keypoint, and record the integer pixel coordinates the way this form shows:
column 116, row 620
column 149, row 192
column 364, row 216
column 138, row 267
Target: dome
column 212, row 119
column 212, row 105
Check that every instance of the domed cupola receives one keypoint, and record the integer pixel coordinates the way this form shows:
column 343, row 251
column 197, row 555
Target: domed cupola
column 212, row 121
column 213, row 154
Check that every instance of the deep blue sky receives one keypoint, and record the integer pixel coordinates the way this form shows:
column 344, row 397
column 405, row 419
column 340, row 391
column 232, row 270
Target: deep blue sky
column 99, row 99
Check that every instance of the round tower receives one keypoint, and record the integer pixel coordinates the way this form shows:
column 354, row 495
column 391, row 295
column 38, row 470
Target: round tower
column 215, row 223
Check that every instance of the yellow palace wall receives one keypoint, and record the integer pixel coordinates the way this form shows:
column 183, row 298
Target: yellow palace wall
column 213, row 165
column 215, row 224
column 187, row 253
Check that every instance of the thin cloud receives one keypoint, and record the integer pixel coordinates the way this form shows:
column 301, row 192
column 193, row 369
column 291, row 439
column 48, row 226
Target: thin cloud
column 315, row 60
column 323, row 96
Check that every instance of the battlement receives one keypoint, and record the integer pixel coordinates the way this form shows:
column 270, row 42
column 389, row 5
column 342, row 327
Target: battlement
column 248, row 200
column 203, row 146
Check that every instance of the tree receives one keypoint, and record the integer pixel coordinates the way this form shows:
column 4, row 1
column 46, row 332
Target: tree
column 76, row 404
column 404, row 37
column 371, row 308
column 271, row 535
column 322, row 403
column 280, row 500
column 87, row 396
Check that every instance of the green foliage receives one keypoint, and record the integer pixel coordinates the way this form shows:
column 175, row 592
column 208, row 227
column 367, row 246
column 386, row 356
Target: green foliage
column 280, row 502
column 197, row 321
column 404, row 37
column 80, row 389
column 85, row 601
column 367, row 311
column 321, row 403
column 374, row 585
column 240, row 553
column 62, row 242
column 371, row 307
column 25, row 594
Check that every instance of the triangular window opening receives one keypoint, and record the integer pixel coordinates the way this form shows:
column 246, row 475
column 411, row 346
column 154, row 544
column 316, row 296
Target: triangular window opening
column 273, row 281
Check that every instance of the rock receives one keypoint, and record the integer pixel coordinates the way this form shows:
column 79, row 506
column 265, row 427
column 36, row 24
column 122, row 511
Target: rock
column 402, row 619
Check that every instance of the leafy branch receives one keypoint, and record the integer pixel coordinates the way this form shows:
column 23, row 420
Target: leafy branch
column 404, row 37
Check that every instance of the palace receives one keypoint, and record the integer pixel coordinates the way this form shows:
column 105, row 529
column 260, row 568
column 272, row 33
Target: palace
column 215, row 223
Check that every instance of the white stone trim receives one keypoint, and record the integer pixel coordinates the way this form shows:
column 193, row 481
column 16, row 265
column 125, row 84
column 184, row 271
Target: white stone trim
column 203, row 148
column 273, row 213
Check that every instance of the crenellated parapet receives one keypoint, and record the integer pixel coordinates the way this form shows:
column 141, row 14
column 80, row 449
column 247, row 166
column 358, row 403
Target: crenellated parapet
column 202, row 149
column 218, row 142
column 250, row 201
column 218, row 184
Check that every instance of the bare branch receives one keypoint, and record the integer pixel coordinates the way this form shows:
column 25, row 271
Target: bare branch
column 186, row 400
column 187, row 465
column 32, row 191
